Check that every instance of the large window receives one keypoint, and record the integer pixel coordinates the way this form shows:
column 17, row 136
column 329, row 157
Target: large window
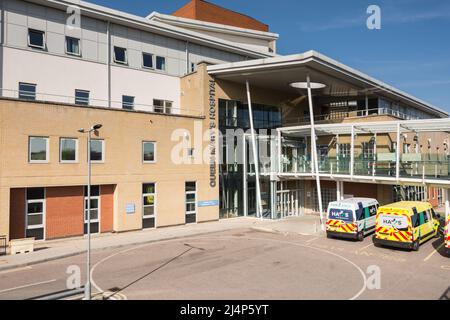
column 73, row 46
column 191, row 197
column 344, row 150
column 368, row 149
column 35, row 213
column 128, row 102
column 27, row 91
column 160, row 63
column 162, row 106
column 94, row 209
column 36, row 39
column 97, row 150
column 81, row 97
column 68, row 150
column 120, row 55
column 147, row 60
column 148, row 203
column 38, row 149
column 148, row 151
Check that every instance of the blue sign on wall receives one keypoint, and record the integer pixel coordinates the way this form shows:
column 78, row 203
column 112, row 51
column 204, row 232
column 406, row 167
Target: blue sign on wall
column 130, row 208
column 208, row 203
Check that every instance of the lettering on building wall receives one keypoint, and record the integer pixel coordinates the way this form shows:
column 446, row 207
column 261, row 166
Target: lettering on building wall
column 212, row 133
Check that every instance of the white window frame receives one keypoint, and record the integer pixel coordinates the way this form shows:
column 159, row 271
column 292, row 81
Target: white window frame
column 72, row 53
column 88, row 99
column 154, row 151
column 44, row 209
column 132, row 105
column 164, row 106
column 154, row 202
column 47, row 147
column 165, row 63
column 153, row 61
column 99, row 215
column 125, row 56
column 44, row 39
column 22, row 91
column 103, row 151
column 187, row 202
column 60, row 150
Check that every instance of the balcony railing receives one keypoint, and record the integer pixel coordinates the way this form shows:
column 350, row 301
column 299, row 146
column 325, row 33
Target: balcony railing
column 340, row 115
column 92, row 102
column 437, row 167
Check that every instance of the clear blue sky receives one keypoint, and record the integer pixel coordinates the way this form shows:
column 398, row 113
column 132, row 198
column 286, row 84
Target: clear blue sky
column 410, row 52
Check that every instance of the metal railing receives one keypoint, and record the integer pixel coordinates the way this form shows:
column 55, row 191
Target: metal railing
column 340, row 115
column 93, row 102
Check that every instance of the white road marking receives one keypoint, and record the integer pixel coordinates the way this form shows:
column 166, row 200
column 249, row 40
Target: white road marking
column 434, row 251
column 16, row 269
column 363, row 275
column 369, row 245
column 26, row 286
column 311, row 240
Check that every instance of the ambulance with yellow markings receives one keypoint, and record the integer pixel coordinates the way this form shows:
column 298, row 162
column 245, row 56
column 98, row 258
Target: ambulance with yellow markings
column 351, row 218
column 447, row 231
column 406, row 224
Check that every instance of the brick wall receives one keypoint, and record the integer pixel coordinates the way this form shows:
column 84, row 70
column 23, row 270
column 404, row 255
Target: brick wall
column 209, row 12
column 64, row 212
column 107, row 207
column 17, row 212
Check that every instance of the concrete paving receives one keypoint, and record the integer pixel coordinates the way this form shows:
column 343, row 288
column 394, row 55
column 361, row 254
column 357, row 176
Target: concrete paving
column 244, row 263
column 56, row 249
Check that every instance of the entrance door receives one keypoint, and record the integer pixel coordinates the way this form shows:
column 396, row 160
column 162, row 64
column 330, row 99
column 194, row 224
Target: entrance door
column 35, row 213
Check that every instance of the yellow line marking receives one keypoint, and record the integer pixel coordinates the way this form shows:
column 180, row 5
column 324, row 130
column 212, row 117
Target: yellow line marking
column 434, row 251
column 17, row 269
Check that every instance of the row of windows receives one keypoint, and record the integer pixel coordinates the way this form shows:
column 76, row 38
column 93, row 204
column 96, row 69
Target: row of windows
column 36, row 39
column 35, row 208
column 39, row 151
column 27, row 91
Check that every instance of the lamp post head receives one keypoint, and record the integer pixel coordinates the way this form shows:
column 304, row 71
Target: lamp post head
column 96, row 127
column 81, row 130
column 304, row 85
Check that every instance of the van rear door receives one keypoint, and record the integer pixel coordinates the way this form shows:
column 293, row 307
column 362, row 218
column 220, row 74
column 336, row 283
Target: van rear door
column 394, row 226
column 341, row 220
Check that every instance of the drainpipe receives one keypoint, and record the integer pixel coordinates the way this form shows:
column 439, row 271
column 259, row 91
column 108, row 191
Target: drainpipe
column 108, row 36
column 314, row 149
column 259, row 211
column 187, row 57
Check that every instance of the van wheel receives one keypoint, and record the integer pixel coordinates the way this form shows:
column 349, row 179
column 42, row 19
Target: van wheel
column 416, row 245
column 329, row 236
column 360, row 236
column 437, row 235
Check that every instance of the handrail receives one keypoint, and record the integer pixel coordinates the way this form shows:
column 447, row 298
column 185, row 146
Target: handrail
column 93, row 102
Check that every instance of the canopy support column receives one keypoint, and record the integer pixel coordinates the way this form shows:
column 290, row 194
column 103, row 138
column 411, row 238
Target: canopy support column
column 314, row 151
column 352, row 152
column 397, row 161
column 259, row 212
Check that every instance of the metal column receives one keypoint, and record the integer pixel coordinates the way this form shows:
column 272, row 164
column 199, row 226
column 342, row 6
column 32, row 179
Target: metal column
column 259, row 211
column 314, row 153
column 397, row 159
column 352, row 152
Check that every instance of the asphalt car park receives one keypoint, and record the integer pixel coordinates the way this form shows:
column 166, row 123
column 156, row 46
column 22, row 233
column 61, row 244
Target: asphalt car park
column 246, row 264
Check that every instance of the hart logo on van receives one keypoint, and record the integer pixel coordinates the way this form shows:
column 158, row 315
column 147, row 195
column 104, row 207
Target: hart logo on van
column 389, row 221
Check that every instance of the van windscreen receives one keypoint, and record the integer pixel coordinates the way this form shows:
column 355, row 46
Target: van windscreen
column 341, row 214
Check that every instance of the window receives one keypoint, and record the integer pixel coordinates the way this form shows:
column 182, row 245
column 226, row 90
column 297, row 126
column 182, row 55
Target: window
column 68, row 150
column 36, row 39
column 35, row 213
column 94, row 209
column 190, row 152
column 148, row 202
column 38, row 149
column 149, row 151
column 27, row 91
column 81, row 97
column 147, row 60
column 193, row 67
column 162, row 106
column 128, row 102
column 120, row 55
column 160, row 63
column 191, row 194
column 97, row 150
column 73, row 46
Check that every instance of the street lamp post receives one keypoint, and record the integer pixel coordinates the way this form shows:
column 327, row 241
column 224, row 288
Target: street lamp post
column 87, row 288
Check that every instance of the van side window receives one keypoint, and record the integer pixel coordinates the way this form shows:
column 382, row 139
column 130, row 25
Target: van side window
column 373, row 210
column 425, row 217
column 433, row 214
column 415, row 220
column 360, row 214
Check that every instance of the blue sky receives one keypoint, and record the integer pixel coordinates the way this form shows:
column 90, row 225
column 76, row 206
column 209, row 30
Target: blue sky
column 410, row 52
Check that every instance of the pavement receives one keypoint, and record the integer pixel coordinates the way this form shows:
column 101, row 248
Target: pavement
column 57, row 249
column 250, row 260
